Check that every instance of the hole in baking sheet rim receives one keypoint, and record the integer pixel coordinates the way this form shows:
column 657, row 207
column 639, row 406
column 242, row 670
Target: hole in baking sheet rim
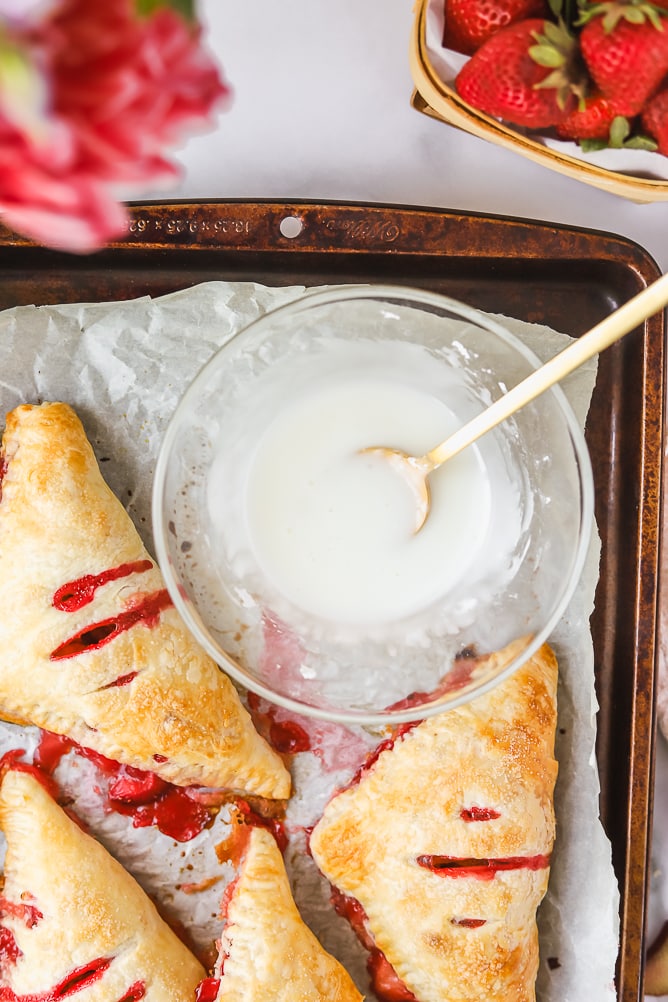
column 291, row 227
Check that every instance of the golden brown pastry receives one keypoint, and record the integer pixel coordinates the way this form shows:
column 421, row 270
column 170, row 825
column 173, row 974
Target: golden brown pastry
column 73, row 921
column 268, row 954
column 440, row 853
column 90, row 644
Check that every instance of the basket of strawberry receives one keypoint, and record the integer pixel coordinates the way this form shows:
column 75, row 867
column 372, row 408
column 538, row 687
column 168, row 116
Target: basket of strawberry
column 580, row 86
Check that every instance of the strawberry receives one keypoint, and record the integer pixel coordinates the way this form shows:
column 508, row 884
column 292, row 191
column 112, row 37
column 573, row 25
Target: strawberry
column 523, row 74
column 595, row 124
column 589, row 120
column 625, row 47
column 654, row 120
column 469, row 23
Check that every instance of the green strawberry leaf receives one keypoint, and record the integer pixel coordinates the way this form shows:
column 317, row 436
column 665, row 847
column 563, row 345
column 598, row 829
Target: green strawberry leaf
column 619, row 132
column 619, row 138
column 186, row 8
column 634, row 15
column 547, row 55
column 640, row 143
column 592, row 145
column 613, row 11
column 557, row 50
column 556, row 34
column 654, row 16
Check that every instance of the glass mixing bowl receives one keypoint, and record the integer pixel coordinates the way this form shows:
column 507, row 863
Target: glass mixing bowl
column 290, row 553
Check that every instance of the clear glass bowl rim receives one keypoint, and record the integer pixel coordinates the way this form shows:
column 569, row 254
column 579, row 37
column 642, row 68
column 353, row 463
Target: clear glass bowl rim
column 410, row 296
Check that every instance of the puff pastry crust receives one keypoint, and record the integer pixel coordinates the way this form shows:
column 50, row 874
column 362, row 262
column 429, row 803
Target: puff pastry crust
column 444, row 844
column 109, row 662
column 73, row 912
column 268, row 954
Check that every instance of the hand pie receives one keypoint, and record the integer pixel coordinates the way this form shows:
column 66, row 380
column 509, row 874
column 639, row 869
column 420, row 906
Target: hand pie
column 90, row 644
column 268, row 954
column 73, row 921
column 439, row 854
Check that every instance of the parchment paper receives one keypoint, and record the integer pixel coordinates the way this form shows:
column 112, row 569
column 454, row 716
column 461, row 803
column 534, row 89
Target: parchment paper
column 123, row 367
column 447, row 63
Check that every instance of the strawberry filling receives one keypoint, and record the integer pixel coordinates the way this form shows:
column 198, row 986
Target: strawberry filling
column 3, row 471
column 469, row 923
column 135, row 992
column 459, row 676
column 28, row 914
column 145, row 611
column 385, row 981
column 383, row 746
column 273, row 825
column 12, row 760
column 136, row 793
column 75, row 594
column 481, row 869
column 225, row 902
column 9, row 948
column 77, row 980
column 286, row 736
column 207, row 990
column 134, row 786
column 469, row 814
column 119, row 682
column 386, row 985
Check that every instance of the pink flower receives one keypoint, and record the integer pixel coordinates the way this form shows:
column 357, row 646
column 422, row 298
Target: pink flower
column 91, row 95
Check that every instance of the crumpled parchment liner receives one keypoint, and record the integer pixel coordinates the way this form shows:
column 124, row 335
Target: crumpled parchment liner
column 124, row 367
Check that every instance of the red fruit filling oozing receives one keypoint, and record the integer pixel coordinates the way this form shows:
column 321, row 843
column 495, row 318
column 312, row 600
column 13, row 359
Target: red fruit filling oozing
column 146, row 610
column 251, row 818
column 481, row 869
column 385, row 982
column 74, row 982
column 9, row 949
column 23, row 912
column 136, row 793
column 285, row 735
column 75, row 594
column 459, row 676
column 135, row 992
column 207, row 990
column 470, row 814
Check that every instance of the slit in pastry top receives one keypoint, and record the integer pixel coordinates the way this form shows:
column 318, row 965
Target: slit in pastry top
column 74, row 594
column 144, row 611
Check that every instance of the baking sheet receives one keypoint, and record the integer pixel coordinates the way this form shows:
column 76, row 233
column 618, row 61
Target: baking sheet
column 566, row 278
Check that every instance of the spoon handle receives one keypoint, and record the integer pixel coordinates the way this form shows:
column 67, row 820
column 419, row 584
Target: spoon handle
column 645, row 304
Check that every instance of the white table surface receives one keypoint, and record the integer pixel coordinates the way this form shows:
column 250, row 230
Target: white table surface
column 321, row 110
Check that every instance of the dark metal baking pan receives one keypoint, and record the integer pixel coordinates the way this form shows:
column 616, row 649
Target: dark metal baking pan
column 565, row 277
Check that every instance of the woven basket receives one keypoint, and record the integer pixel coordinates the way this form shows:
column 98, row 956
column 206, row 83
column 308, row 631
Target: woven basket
column 435, row 98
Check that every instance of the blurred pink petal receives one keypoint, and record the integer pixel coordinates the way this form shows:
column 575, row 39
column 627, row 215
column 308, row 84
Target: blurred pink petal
column 88, row 218
column 120, row 90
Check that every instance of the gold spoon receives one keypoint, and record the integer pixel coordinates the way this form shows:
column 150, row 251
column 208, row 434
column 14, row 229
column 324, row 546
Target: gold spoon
column 416, row 469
